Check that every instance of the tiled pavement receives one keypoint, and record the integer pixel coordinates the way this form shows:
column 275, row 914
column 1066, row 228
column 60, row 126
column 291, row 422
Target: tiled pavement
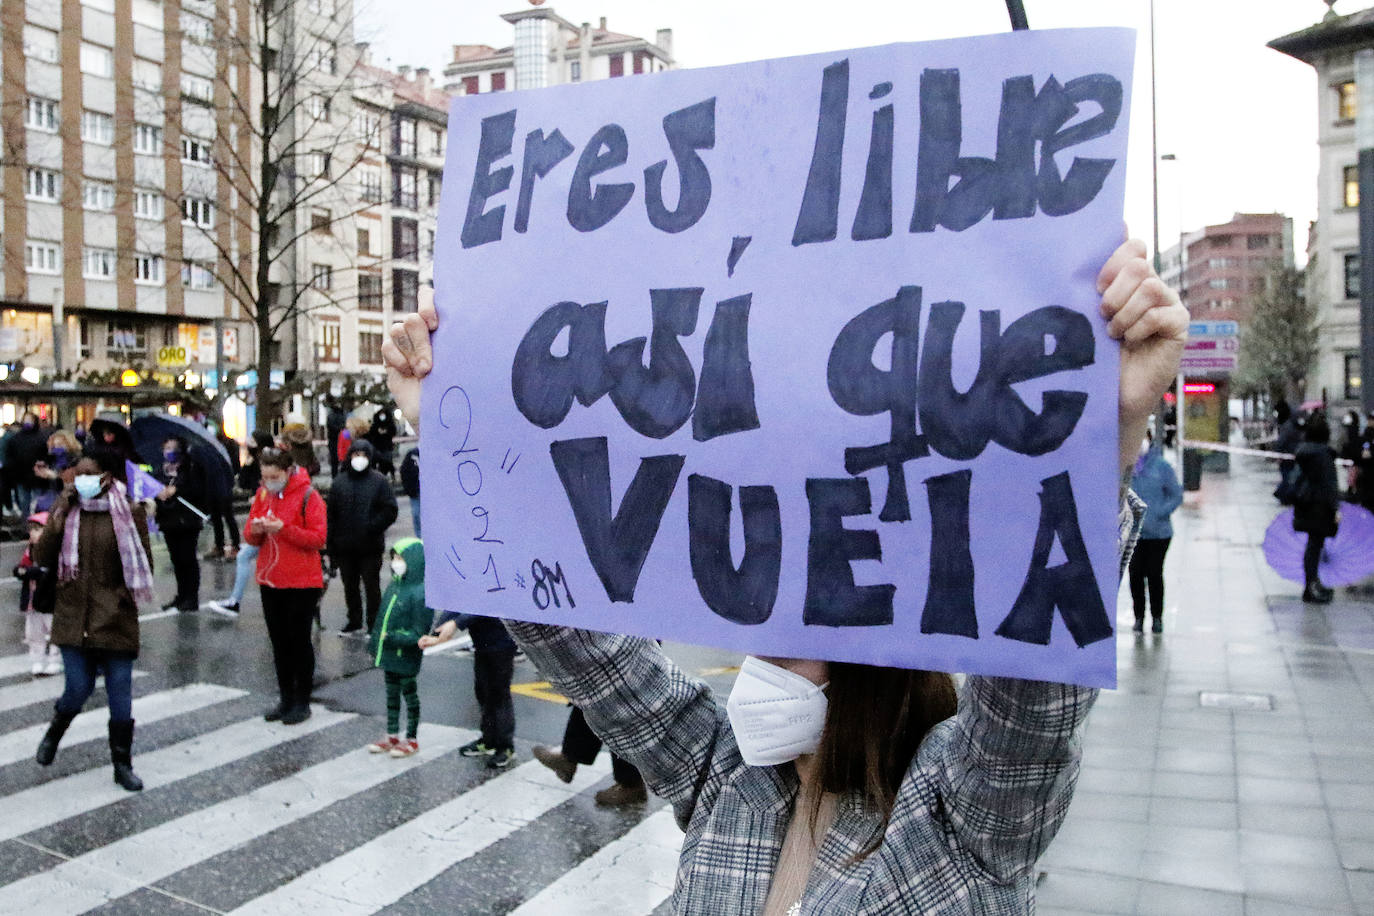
column 1189, row 809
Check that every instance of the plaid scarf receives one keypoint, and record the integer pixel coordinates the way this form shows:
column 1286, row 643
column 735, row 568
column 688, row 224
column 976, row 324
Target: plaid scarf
column 138, row 575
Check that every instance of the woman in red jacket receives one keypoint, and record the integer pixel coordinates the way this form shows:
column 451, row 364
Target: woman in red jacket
column 287, row 521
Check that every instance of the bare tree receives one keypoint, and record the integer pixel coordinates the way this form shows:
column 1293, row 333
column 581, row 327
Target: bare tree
column 1279, row 345
column 284, row 148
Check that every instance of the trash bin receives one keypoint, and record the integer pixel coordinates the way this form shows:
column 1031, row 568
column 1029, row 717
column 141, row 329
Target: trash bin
column 1192, row 469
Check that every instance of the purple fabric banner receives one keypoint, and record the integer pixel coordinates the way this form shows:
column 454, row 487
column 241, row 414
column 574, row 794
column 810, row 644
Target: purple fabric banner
column 799, row 357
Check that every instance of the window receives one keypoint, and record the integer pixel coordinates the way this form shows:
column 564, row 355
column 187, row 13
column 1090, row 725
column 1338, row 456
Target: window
column 97, row 127
column 1254, row 242
column 1346, row 101
column 1352, row 276
column 148, row 204
column 319, row 219
column 197, row 211
column 197, row 275
column 370, row 344
column 196, row 29
column 404, row 144
column 87, row 335
column 317, row 106
column 98, row 263
column 147, row 74
column 470, row 85
column 96, row 61
column 1352, row 376
column 369, row 122
column 324, row 57
column 329, row 341
column 404, row 191
column 40, row 44
column 194, row 149
column 321, row 276
column 1351, row 177
column 498, row 81
column 322, row 7
column 41, row 257
column 575, row 71
column 404, row 240
column 364, row 241
column 197, row 88
column 435, row 186
column 370, row 292
column 436, row 141
column 1219, row 241
column 147, row 268
column 317, row 164
column 617, row 62
column 97, row 195
column 639, row 61
column 147, row 139
column 370, row 183
column 429, row 244
column 1221, row 283
column 41, row 114
column 405, row 291
column 126, row 337
column 41, row 184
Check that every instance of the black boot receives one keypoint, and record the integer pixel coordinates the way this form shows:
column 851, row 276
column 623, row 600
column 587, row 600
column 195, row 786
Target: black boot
column 47, row 748
column 121, row 754
column 1316, row 593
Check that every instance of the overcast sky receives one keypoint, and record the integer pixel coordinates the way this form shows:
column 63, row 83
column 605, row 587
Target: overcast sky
column 1240, row 118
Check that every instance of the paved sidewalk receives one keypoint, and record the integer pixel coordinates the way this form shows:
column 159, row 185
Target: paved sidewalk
column 1186, row 808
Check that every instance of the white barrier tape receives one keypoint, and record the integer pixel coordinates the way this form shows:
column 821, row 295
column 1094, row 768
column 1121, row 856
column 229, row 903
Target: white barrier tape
column 1252, row 452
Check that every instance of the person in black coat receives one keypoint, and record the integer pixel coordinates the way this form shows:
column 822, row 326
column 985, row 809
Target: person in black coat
column 361, row 508
column 222, row 502
column 382, row 435
column 181, row 513
column 333, row 426
column 1316, row 507
column 28, row 447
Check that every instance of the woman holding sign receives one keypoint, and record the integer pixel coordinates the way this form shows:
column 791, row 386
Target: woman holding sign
column 845, row 788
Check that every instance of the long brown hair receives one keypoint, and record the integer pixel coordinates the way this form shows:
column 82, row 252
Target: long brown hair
column 876, row 720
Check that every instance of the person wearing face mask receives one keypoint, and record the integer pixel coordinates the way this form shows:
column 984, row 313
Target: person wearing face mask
column 395, row 646
column 181, row 513
column 362, row 507
column 27, row 451
column 826, row 787
column 287, row 524
column 1154, row 481
column 63, row 451
column 98, row 542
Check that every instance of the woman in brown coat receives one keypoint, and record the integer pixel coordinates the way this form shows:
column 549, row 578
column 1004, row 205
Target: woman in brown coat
column 98, row 542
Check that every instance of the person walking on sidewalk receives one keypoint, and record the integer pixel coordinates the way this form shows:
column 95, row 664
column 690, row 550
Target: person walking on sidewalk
column 287, row 522
column 395, row 646
column 180, row 515
column 361, row 509
column 1317, row 502
column 580, row 746
column 1154, row 481
column 98, row 542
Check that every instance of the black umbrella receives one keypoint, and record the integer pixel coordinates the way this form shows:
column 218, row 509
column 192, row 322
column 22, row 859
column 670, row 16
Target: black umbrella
column 149, row 431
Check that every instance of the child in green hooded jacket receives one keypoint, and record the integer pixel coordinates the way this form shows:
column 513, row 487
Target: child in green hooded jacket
column 395, row 646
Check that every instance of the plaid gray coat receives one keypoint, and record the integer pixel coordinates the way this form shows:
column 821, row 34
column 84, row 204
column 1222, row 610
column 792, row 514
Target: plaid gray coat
column 980, row 802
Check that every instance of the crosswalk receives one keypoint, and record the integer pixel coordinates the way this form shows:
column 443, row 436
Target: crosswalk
column 245, row 816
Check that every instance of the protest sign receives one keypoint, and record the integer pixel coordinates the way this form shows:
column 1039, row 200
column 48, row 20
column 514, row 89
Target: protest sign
column 799, row 357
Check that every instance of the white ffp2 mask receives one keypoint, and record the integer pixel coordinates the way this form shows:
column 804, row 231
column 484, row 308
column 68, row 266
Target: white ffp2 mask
column 776, row 714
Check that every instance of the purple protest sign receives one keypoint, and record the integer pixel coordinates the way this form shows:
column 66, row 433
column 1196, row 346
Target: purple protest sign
column 799, row 357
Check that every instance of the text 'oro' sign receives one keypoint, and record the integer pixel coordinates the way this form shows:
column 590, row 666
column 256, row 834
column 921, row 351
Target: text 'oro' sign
column 799, row 357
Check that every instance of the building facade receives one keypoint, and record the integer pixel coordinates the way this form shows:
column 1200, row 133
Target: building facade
column 1220, row 271
column 548, row 50
column 113, row 216
column 1334, row 245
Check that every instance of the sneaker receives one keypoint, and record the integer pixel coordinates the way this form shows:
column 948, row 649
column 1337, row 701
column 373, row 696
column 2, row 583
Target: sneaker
column 562, row 767
column 476, row 749
column 1157, row 626
column 1139, row 625
column 296, row 714
column 37, row 669
column 172, row 605
column 383, row 745
column 617, row 795
column 227, row 608
column 406, row 748
column 53, row 666
column 501, row 759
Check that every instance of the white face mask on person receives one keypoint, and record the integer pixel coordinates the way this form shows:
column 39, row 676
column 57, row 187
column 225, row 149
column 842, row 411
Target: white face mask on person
column 398, row 567
column 87, row 485
column 776, row 714
column 359, row 463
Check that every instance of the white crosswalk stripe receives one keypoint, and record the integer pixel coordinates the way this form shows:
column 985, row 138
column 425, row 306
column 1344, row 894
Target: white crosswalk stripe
column 628, row 876
column 10, row 665
column 69, row 796
column 27, row 692
column 386, row 869
column 440, row 842
column 18, row 745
